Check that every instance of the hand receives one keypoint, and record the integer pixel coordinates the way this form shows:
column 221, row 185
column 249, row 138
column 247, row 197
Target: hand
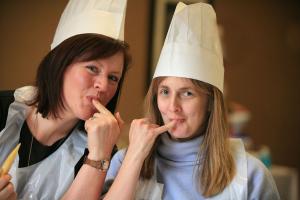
column 7, row 191
column 103, row 132
column 142, row 135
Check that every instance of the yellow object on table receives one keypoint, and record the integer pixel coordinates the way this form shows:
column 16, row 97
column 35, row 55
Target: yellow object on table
column 9, row 160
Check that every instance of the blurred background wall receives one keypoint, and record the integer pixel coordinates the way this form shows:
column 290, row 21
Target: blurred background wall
column 262, row 69
column 262, row 61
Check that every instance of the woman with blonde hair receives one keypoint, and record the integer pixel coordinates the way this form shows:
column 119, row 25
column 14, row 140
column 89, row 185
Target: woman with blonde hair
column 182, row 149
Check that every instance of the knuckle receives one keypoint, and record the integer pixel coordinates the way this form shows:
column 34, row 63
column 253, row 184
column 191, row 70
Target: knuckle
column 111, row 121
column 142, row 121
column 147, row 126
column 151, row 133
column 135, row 122
column 9, row 188
column 114, row 120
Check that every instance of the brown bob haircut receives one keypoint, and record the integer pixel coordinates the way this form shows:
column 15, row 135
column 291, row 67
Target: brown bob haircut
column 79, row 48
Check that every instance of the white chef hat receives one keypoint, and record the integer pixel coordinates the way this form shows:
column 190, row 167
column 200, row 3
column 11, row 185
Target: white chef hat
column 104, row 17
column 192, row 46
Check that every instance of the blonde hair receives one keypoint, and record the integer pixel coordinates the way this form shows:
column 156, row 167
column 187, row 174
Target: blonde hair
column 218, row 167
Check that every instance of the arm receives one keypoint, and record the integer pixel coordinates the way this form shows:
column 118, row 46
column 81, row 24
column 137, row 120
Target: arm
column 261, row 184
column 103, row 130
column 142, row 135
column 125, row 183
column 90, row 180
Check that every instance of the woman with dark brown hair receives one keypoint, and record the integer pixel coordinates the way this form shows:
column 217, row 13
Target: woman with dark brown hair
column 65, row 123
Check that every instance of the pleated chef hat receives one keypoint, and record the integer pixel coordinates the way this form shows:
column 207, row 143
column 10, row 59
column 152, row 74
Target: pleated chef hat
column 104, row 17
column 192, row 46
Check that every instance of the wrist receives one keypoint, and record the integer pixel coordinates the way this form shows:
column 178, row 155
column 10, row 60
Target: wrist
column 95, row 156
column 136, row 156
column 101, row 165
column 99, row 155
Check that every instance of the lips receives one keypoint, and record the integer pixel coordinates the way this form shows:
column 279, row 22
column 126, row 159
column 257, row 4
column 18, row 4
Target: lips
column 178, row 120
column 90, row 101
column 90, row 98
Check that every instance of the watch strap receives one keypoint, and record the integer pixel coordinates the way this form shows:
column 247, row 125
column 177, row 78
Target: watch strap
column 101, row 165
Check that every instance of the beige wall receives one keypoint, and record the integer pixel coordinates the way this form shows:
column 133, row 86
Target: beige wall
column 27, row 28
column 262, row 61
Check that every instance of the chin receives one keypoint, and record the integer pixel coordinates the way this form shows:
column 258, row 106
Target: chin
column 178, row 135
column 85, row 115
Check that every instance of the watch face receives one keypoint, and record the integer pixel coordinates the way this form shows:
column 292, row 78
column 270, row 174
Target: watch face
column 101, row 164
column 105, row 164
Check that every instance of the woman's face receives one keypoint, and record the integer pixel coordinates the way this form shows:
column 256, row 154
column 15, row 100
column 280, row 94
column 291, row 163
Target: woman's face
column 96, row 79
column 180, row 100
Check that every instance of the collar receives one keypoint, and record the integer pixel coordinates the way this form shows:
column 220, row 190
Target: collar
column 179, row 153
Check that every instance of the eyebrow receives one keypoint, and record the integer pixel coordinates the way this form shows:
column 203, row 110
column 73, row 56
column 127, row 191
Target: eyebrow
column 187, row 88
column 119, row 73
column 180, row 89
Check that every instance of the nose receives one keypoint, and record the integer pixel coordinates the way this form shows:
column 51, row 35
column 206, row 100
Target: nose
column 101, row 83
column 174, row 104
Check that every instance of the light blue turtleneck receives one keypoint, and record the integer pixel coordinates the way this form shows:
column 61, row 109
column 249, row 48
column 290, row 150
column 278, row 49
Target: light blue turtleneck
column 176, row 169
column 178, row 159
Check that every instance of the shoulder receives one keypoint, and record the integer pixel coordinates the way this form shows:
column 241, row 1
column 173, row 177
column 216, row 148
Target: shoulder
column 256, row 169
column 22, row 94
column 255, row 166
column 25, row 94
column 237, row 146
column 260, row 181
column 238, row 152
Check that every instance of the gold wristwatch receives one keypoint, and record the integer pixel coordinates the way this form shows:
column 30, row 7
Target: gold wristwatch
column 102, row 165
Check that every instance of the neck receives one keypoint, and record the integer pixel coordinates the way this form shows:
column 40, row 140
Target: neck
column 179, row 153
column 49, row 130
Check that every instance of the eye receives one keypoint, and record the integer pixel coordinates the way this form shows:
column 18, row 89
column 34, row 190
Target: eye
column 187, row 94
column 163, row 92
column 114, row 78
column 93, row 69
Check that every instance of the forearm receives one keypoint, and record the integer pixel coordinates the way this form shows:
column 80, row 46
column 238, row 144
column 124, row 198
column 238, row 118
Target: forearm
column 125, row 183
column 142, row 136
column 90, row 180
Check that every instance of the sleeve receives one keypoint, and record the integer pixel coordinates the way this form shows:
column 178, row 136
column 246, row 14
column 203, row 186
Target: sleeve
column 6, row 98
column 261, row 184
column 113, row 170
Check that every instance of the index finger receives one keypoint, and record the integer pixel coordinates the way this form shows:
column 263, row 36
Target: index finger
column 100, row 107
column 164, row 128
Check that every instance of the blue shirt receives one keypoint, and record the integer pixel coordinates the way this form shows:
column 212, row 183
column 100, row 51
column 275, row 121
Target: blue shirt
column 176, row 163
